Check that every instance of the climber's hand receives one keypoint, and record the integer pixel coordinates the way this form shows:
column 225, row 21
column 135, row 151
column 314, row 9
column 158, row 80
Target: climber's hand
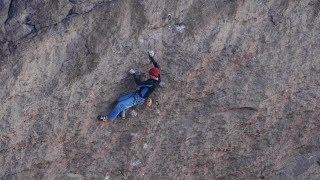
column 151, row 53
column 149, row 102
column 132, row 71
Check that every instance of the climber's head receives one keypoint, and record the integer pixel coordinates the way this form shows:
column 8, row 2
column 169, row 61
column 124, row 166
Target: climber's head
column 154, row 73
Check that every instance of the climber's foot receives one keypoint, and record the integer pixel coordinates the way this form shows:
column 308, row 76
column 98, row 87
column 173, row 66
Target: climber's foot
column 102, row 118
column 123, row 114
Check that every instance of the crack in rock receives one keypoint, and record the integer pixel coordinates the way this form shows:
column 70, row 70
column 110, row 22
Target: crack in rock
column 243, row 109
column 10, row 12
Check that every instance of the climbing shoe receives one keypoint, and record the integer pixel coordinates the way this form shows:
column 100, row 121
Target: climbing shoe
column 102, row 118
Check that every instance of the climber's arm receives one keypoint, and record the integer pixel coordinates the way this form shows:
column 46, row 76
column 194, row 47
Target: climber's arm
column 137, row 79
column 155, row 64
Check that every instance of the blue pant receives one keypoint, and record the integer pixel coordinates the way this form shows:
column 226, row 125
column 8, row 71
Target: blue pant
column 123, row 102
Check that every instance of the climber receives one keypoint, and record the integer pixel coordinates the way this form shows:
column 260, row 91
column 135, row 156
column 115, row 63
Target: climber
column 138, row 97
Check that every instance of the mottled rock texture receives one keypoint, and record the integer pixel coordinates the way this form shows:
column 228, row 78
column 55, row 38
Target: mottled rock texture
column 241, row 96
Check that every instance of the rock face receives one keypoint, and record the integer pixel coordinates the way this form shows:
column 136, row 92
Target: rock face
column 241, row 93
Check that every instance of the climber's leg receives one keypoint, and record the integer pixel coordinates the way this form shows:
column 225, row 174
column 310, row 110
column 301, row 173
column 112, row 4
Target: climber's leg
column 124, row 97
column 121, row 106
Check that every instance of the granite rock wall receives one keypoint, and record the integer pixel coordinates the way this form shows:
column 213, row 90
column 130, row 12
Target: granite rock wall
column 240, row 96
